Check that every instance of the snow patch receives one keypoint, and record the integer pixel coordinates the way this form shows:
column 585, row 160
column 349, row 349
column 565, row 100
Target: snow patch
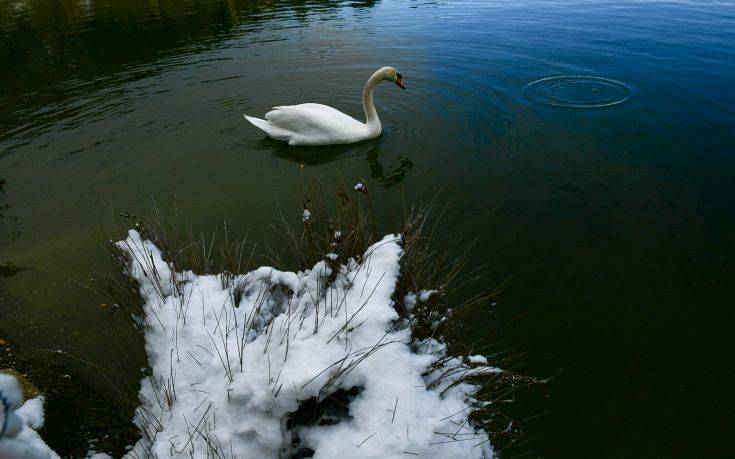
column 425, row 294
column 234, row 357
column 95, row 455
column 32, row 413
column 18, row 423
column 409, row 301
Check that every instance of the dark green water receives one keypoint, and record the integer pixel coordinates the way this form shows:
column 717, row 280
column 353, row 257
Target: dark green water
column 614, row 226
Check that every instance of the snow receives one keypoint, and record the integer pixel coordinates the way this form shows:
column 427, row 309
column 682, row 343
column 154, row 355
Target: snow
column 360, row 187
column 32, row 412
column 228, row 377
column 478, row 359
column 411, row 299
column 425, row 294
column 306, row 215
column 96, row 455
column 18, row 421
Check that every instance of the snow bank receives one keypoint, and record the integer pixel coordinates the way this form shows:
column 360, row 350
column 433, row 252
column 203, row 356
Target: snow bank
column 19, row 422
column 251, row 365
column 96, row 455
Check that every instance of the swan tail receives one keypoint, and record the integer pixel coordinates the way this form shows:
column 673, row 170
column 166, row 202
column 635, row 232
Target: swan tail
column 269, row 128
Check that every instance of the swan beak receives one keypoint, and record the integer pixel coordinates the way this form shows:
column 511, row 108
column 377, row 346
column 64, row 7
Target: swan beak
column 399, row 83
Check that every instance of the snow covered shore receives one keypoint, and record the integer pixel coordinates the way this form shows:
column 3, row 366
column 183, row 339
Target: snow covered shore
column 274, row 363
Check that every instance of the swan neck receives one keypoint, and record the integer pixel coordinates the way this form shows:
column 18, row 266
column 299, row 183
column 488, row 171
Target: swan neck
column 371, row 115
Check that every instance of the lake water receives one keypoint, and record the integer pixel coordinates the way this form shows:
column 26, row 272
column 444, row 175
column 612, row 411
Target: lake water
column 611, row 224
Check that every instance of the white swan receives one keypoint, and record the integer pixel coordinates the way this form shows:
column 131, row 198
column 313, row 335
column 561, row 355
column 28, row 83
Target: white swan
column 317, row 124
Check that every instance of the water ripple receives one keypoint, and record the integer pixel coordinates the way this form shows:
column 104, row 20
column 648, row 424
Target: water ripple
column 578, row 91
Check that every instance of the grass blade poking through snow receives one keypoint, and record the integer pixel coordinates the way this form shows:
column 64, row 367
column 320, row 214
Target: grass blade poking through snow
column 349, row 351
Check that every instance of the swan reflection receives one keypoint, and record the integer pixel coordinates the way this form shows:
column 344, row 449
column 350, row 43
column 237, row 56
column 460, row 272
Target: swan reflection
column 389, row 174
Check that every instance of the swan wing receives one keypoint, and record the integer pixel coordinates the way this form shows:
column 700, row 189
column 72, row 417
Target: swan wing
column 311, row 124
column 270, row 129
column 314, row 119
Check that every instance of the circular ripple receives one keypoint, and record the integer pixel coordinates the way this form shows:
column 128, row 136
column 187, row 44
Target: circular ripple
column 576, row 91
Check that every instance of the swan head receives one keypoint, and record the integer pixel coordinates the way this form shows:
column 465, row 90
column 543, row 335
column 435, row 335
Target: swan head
column 391, row 74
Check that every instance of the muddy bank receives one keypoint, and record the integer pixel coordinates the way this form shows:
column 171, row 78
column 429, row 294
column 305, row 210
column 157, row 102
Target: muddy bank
column 78, row 417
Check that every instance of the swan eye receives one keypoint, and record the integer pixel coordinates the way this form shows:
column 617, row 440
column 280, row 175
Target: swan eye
column 399, row 75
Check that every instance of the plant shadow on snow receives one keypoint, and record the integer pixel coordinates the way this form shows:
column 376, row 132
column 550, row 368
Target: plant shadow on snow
column 389, row 176
column 336, row 229
column 315, row 412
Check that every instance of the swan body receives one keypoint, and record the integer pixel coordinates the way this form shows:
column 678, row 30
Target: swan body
column 317, row 124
